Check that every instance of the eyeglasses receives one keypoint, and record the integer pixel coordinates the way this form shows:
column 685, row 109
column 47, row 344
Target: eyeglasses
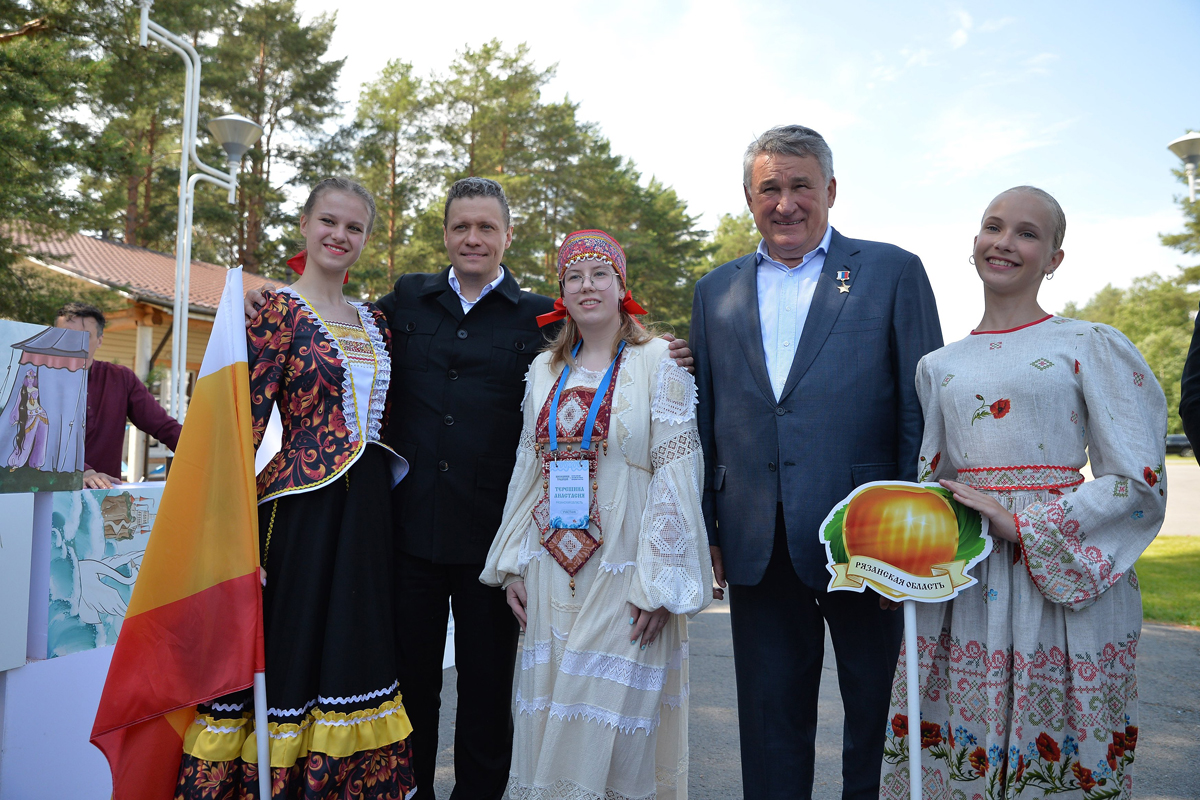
column 601, row 280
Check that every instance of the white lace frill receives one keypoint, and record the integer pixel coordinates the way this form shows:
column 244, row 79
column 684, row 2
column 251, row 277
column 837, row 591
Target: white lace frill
column 383, row 373
column 564, row 790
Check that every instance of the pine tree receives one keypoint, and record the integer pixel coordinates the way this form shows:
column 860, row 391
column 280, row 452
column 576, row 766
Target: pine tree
column 271, row 66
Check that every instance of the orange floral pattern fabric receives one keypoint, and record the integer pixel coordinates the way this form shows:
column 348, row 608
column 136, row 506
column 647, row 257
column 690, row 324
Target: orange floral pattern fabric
column 297, row 365
column 382, row 774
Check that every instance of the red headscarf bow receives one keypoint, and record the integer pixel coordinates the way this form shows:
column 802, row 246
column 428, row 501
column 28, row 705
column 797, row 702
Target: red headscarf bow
column 300, row 260
column 630, row 305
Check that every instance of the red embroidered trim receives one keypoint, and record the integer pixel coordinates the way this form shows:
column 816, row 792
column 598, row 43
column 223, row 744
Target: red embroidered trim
column 1019, row 327
column 1023, row 477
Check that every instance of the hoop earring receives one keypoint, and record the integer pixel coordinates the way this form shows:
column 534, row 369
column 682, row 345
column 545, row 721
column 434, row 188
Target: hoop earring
column 1050, row 275
column 971, row 259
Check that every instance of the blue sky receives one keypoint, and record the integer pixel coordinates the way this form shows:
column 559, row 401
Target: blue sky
column 930, row 108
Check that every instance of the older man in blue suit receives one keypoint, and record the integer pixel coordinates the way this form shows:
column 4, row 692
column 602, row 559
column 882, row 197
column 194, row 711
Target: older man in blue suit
column 806, row 352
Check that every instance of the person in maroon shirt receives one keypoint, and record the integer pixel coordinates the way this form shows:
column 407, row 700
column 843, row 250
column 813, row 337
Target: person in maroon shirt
column 114, row 394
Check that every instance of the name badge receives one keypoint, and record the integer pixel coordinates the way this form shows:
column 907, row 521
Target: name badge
column 569, row 494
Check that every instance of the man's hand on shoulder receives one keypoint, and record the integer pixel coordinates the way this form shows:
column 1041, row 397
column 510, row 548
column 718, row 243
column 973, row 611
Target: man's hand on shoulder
column 253, row 300
column 681, row 354
column 98, row 480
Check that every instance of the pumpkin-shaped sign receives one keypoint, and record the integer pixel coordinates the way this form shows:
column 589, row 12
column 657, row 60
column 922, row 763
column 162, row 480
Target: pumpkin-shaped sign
column 912, row 529
column 905, row 540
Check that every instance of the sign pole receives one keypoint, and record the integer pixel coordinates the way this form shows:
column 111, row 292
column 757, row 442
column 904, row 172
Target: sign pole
column 911, row 659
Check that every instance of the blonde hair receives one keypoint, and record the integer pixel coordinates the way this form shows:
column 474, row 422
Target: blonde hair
column 1057, row 217
column 631, row 332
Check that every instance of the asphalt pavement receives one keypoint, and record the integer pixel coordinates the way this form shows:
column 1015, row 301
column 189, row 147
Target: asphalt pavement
column 1167, row 768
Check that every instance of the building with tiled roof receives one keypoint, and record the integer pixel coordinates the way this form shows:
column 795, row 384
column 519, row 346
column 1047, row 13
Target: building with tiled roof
column 137, row 335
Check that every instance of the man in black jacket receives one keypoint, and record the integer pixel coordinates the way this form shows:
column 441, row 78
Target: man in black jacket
column 462, row 340
column 1189, row 394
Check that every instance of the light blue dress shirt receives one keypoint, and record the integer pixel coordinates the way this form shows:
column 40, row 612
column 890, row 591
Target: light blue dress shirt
column 466, row 304
column 784, row 296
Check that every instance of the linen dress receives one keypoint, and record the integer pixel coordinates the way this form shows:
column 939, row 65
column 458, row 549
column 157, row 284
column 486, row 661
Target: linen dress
column 1028, row 684
column 598, row 718
column 336, row 719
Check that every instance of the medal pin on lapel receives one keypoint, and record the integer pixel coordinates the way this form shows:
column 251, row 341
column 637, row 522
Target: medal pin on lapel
column 843, row 276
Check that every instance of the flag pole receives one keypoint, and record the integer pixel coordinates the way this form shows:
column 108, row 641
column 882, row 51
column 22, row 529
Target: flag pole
column 914, row 699
column 262, row 735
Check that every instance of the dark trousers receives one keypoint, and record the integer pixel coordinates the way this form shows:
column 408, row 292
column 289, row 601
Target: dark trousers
column 778, row 645
column 485, row 646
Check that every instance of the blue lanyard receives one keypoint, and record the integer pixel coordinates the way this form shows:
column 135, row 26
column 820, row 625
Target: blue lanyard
column 597, row 401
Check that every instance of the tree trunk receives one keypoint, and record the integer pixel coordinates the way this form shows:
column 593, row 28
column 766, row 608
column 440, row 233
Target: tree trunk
column 132, row 181
column 148, row 178
column 391, row 233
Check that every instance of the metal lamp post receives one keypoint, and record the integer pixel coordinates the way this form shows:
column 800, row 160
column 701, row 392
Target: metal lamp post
column 1187, row 147
column 236, row 134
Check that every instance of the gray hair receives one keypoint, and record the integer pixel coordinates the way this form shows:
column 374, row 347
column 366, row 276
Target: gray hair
column 342, row 185
column 1056, row 213
column 477, row 187
column 789, row 140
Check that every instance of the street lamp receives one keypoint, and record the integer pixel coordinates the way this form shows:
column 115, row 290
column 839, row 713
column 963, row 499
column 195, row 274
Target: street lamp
column 1187, row 147
column 236, row 134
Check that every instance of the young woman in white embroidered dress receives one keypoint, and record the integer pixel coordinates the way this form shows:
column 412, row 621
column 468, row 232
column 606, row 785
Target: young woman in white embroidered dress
column 601, row 693
column 1028, row 686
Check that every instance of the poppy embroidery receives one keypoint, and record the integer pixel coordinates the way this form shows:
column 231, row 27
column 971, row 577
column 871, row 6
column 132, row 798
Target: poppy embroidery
column 998, row 409
column 1138, row 378
column 1152, row 476
column 930, row 468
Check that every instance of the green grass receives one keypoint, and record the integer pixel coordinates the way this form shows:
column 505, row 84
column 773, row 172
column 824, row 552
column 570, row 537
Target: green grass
column 1169, row 573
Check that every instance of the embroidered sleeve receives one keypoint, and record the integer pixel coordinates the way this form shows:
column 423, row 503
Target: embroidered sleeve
column 932, row 466
column 674, row 398
column 674, row 568
column 1079, row 545
column 268, row 341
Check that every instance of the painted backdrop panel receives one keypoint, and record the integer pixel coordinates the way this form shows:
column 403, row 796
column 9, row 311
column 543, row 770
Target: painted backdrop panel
column 97, row 539
column 43, row 407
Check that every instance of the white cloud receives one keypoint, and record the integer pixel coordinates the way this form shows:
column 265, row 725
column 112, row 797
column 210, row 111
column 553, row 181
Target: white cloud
column 919, row 58
column 993, row 25
column 966, row 140
column 1039, row 64
column 959, row 37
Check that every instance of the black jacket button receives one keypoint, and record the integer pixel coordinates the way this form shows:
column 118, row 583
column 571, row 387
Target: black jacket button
column 453, row 374
column 443, row 466
column 449, row 420
column 771, row 466
column 520, row 347
column 780, row 411
column 410, row 327
column 462, row 334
